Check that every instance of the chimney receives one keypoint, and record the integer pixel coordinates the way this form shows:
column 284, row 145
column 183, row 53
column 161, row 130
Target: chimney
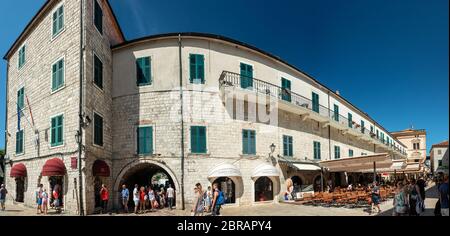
column 338, row 93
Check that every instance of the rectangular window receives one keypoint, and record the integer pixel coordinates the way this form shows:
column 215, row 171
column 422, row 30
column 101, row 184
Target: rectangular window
column 22, row 56
column 197, row 69
column 336, row 113
column 21, row 98
column 58, row 75
column 439, row 152
column 439, row 163
column 377, row 134
column 371, row 129
column 246, row 76
column 317, row 151
column 248, row 142
column 416, row 146
column 19, row 142
column 287, row 146
column 337, row 152
column 198, row 139
column 315, row 102
column 98, row 72
column 285, row 89
column 143, row 71
column 387, row 140
column 350, row 120
column 98, row 130
column 145, row 140
column 382, row 137
column 57, row 131
column 362, row 126
column 350, row 153
column 58, row 21
column 98, row 17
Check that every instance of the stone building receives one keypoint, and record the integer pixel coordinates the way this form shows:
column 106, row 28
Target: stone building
column 437, row 156
column 196, row 108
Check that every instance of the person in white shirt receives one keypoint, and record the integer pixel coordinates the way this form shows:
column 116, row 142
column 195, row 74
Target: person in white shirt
column 136, row 198
column 170, row 195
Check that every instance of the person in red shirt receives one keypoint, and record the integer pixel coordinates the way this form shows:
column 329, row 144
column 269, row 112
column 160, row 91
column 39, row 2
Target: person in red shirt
column 142, row 200
column 104, row 195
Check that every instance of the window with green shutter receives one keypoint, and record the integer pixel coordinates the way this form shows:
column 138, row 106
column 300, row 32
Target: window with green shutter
column 22, row 52
column 145, row 140
column 57, row 131
column 248, row 142
column 350, row 120
column 19, row 142
column 350, row 153
column 337, row 152
column 58, row 21
column 371, row 129
column 98, row 17
column 98, row 130
column 143, row 71
column 198, row 139
column 197, row 68
column 98, row 72
column 336, row 113
column 21, row 98
column 246, row 76
column 378, row 135
column 287, row 146
column 317, row 155
column 315, row 102
column 58, row 75
column 285, row 89
column 362, row 126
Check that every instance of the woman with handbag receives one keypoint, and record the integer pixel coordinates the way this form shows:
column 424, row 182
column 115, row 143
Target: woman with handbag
column 400, row 201
column 414, row 198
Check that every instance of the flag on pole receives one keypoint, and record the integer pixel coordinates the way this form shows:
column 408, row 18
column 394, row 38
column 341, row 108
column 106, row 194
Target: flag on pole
column 31, row 114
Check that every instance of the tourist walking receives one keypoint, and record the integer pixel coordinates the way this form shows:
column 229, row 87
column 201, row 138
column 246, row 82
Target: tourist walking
column 414, row 198
column 104, row 195
column 208, row 196
column 170, row 196
column 375, row 197
column 422, row 184
column 152, row 199
column 444, row 196
column 124, row 196
column 3, row 193
column 39, row 198
column 142, row 200
column 218, row 200
column 136, row 198
column 56, row 196
column 45, row 201
column 400, row 201
column 199, row 208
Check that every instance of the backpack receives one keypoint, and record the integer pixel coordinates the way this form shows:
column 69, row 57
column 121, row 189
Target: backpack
column 220, row 198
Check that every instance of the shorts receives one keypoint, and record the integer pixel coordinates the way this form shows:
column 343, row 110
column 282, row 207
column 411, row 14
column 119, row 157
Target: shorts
column 2, row 201
column 56, row 202
column 376, row 200
column 124, row 201
column 39, row 201
column 136, row 202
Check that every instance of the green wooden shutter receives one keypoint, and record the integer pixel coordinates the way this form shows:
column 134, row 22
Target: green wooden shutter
column 252, row 142
column 192, row 68
column 336, row 113
column 54, row 77
column 362, row 126
column 60, row 129
column 315, row 102
column 53, row 132
column 245, row 142
column 201, row 68
column 55, row 23
column 286, row 89
column 350, row 120
column 246, row 76
column 61, row 18
column 202, row 139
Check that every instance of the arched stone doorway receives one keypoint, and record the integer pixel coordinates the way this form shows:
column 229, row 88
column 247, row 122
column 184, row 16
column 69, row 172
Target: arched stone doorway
column 228, row 187
column 142, row 173
column 298, row 182
column 263, row 189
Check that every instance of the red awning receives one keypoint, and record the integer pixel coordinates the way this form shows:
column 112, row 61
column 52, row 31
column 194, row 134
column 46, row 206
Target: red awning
column 100, row 168
column 18, row 170
column 54, row 167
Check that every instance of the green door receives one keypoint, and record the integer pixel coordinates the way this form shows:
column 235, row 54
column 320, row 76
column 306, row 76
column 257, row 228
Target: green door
column 285, row 89
column 246, row 76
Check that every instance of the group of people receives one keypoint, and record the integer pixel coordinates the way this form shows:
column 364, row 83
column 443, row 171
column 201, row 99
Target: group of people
column 409, row 198
column 148, row 196
column 43, row 199
column 209, row 201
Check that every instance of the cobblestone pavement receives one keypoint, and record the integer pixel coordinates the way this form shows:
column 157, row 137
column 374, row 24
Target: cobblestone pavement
column 256, row 210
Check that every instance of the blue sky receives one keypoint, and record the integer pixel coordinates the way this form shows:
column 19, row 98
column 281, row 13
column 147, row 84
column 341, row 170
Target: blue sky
column 389, row 58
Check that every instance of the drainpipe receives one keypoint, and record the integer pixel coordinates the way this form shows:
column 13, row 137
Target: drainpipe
column 80, row 113
column 6, row 123
column 182, row 122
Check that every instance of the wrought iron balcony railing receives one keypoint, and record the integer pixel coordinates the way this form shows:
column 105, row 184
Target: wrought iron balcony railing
column 232, row 79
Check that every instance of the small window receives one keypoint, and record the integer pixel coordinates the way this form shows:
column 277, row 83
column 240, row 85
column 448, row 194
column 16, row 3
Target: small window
column 285, row 90
column 337, row 152
column 57, row 131
column 197, row 69
column 439, row 163
column 22, row 52
column 198, row 139
column 145, row 140
column 58, row 75
column 362, row 126
column 350, row 153
column 19, row 142
column 98, row 17
column 317, row 151
column 246, row 76
column 58, row 21
column 248, row 142
column 350, row 120
column 21, row 98
column 439, row 152
column 287, row 146
column 98, row 72
column 98, row 130
column 336, row 113
column 143, row 71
